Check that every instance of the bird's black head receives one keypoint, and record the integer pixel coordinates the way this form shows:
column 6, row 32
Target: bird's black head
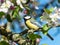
column 27, row 17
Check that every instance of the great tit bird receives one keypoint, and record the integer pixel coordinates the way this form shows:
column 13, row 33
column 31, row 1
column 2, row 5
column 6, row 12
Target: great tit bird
column 30, row 25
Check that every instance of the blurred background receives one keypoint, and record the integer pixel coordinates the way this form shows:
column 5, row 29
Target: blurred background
column 54, row 32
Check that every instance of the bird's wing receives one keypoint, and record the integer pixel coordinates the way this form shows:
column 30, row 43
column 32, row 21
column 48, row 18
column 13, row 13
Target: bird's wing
column 36, row 23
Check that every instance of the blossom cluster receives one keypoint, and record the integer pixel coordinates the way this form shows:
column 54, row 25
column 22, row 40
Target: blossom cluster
column 53, row 17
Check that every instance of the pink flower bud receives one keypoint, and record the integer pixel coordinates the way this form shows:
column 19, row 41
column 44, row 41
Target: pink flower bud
column 25, row 11
column 12, row 7
column 37, row 40
column 2, row 1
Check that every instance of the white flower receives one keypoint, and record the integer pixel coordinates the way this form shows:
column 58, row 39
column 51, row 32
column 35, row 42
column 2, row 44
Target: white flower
column 5, row 10
column 30, row 31
column 21, row 41
column 19, row 3
column 59, row 9
column 56, row 16
column 15, row 37
column 1, row 39
column 33, row 0
column 5, row 6
column 36, row 7
column 23, row 1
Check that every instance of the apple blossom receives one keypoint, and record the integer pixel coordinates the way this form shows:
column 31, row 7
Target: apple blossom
column 5, row 10
column 5, row 6
column 55, row 17
column 12, row 7
column 19, row 3
column 2, row 1
column 15, row 37
column 23, row 1
column 36, row 7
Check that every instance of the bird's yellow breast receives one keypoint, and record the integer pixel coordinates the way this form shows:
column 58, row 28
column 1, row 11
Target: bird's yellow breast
column 30, row 25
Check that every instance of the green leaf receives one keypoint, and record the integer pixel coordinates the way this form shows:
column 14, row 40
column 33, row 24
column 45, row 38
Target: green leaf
column 4, row 43
column 8, row 18
column 27, row 8
column 51, row 9
column 18, row 8
column 16, row 15
column 59, row 1
column 45, row 29
column 47, row 11
column 1, row 14
column 15, row 12
column 19, row 17
column 45, row 17
column 44, row 44
column 34, row 36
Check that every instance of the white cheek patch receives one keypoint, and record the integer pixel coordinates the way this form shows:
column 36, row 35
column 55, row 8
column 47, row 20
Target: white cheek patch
column 27, row 17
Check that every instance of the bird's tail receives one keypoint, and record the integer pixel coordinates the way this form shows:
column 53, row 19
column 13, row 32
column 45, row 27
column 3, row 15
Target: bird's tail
column 47, row 34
